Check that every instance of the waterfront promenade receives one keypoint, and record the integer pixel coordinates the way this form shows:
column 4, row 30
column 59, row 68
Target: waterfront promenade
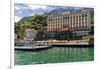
column 63, row 42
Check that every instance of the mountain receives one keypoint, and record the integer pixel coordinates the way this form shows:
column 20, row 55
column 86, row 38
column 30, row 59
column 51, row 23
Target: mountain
column 61, row 10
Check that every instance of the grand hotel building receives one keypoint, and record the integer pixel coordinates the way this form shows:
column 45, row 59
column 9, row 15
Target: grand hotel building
column 67, row 26
column 73, row 20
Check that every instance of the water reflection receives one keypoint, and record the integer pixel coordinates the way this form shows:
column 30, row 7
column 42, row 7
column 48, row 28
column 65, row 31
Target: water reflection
column 54, row 55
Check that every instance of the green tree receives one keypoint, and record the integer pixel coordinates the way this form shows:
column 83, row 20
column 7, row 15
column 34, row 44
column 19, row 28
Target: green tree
column 38, row 22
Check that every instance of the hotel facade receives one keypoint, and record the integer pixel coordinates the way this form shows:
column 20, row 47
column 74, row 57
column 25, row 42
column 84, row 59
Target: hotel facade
column 73, row 20
column 66, row 26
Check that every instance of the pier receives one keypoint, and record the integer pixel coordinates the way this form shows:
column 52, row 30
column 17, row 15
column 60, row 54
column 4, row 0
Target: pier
column 31, row 47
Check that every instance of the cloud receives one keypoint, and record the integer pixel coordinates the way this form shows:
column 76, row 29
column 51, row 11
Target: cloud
column 17, row 8
column 17, row 18
column 23, row 10
column 37, row 6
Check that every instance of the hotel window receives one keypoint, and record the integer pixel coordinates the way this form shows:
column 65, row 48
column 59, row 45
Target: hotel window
column 65, row 18
column 76, row 19
column 49, row 28
column 73, row 17
column 85, row 15
column 79, row 17
column 57, row 19
column 86, row 25
column 82, row 15
column 79, row 26
column 68, row 17
column 82, row 19
column 71, row 21
column 60, row 20
column 76, row 25
column 85, row 21
column 53, row 20
column 85, row 18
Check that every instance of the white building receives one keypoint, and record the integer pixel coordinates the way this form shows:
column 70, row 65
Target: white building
column 30, row 35
column 15, row 36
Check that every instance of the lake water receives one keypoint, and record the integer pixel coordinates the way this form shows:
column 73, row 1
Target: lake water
column 54, row 55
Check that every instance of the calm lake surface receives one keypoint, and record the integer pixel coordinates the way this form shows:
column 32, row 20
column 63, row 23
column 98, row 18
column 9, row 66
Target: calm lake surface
column 54, row 55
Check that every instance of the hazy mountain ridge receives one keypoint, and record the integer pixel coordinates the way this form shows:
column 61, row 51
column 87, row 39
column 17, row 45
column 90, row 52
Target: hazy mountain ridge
column 69, row 10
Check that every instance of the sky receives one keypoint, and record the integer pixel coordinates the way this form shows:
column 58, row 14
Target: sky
column 22, row 10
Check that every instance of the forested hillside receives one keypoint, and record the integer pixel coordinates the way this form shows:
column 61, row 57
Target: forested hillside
column 38, row 22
